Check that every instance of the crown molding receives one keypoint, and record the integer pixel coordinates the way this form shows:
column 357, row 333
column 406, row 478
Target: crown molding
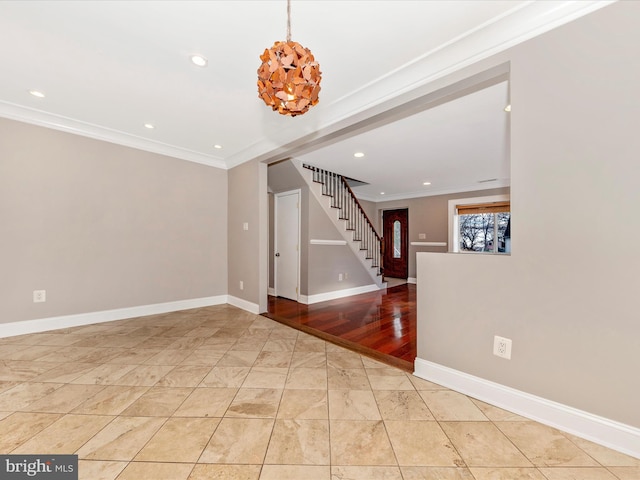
column 433, row 193
column 518, row 25
column 76, row 127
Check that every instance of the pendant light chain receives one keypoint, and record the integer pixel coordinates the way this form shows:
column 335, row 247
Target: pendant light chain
column 288, row 20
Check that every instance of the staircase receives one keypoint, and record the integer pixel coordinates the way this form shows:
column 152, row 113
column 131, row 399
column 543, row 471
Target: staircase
column 333, row 192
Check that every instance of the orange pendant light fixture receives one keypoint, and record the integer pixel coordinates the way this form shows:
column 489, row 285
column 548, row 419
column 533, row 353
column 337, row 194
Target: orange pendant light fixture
column 289, row 77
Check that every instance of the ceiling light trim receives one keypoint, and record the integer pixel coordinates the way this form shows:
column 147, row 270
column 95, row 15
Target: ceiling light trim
column 58, row 122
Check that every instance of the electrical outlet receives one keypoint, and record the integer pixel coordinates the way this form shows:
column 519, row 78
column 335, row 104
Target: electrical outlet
column 39, row 296
column 340, row 276
column 502, row 347
column 241, row 285
column 346, row 275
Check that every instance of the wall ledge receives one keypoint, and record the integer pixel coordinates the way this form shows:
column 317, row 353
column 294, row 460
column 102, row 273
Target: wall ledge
column 428, row 244
column 316, row 241
column 603, row 431
column 76, row 320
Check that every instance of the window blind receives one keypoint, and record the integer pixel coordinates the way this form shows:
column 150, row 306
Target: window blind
column 476, row 208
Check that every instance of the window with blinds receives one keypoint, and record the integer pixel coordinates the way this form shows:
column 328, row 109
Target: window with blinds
column 484, row 227
column 477, row 208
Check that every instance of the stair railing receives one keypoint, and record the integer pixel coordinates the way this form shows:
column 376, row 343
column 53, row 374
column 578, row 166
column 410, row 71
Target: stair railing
column 350, row 210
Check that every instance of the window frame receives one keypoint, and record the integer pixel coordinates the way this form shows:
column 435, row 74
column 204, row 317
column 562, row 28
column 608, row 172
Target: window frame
column 454, row 229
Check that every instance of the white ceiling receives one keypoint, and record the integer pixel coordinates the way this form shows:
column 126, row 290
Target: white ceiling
column 457, row 146
column 109, row 67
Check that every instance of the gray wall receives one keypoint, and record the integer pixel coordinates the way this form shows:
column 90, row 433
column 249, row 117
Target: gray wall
column 283, row 177
column 247, row 253
column 319, row 264
column 428, row 215
column 327, row 261
column 371, row 209
column 100, row 226
column 567, row 295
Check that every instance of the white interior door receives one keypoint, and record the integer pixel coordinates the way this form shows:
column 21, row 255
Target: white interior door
column 287, row 242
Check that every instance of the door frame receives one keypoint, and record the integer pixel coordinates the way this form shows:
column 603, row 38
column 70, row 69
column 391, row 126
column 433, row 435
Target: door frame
column 276, row 197
column 387, row 244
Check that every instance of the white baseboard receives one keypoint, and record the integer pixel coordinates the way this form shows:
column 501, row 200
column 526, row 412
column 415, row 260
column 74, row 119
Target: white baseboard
column 609, row 433
column 243, row 304
column 412, row 280
column 347, row 292
column 65, row 321
column 271, row 291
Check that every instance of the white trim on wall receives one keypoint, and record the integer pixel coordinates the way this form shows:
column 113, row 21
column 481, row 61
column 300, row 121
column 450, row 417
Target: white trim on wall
column 65, row 321
column 243, row 304
column 412, row 280
column 428, row 244
column 603, row 431
column 97, row 132
column 432, row 192
column 347, row 292
column 531, row 18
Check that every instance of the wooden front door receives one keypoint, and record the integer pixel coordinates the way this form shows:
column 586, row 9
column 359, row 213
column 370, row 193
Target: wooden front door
column 395, row 230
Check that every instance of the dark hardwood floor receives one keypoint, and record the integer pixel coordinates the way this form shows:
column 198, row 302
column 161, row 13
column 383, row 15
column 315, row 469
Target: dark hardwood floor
column 381, row 324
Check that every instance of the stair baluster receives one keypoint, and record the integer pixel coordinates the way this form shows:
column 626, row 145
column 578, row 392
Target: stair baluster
column 349, row 209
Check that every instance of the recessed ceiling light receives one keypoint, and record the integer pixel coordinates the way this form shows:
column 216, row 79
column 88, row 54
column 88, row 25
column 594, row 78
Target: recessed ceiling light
column 381, row 193
column 358, row 154
column 199, row 60
column 426, row 183
column 217, row 146
column 507, row 108
column 36, row 93
column 150, row 126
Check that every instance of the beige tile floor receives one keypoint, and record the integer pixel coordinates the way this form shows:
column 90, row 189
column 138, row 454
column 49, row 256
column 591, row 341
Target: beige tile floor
column 218, row 393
